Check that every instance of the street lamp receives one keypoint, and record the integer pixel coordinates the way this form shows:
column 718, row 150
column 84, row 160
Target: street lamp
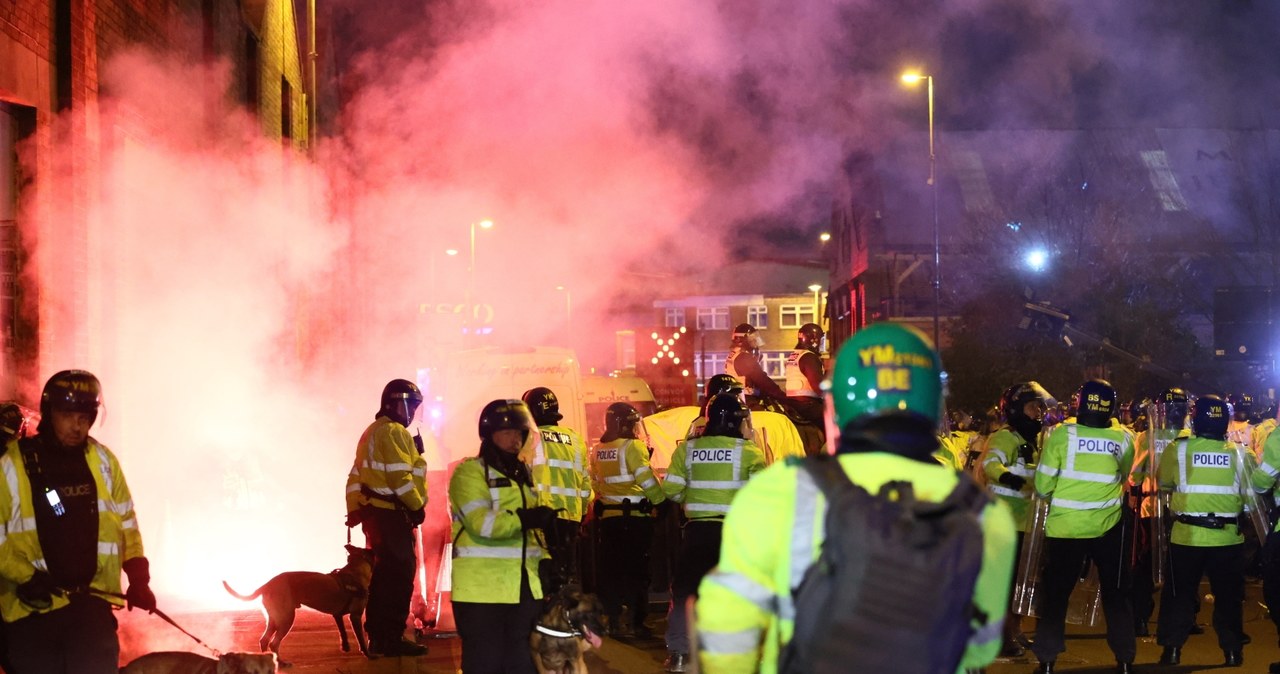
column 471, row 265
column 815, row 288
column 911, row 78
column 568, row 304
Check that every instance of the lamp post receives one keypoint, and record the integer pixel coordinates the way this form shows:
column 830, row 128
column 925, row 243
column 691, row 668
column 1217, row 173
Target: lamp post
column 471, row 264
column 568, row 304
column 912, row 78
column 816, row 303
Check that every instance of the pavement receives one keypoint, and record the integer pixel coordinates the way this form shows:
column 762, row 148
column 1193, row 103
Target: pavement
column 313, row 647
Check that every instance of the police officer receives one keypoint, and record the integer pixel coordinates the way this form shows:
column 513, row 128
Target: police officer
column 743, row 364
column 804, row 381
column 559, row 469
column 82, row 531
column 716, row 385
column 1009, row 466
column 387, row 495
column 1082, row 471
column 1240, row 430
column 497, row 545
column 1264, row 482
column 773, row 530
column 1203, row 473
column 13, row 427
column 626, row 491
column 704, row 475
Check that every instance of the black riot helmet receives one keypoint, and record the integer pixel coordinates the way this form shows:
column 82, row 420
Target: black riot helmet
column 745, row 336
column 720, row 383
column 1175, row 407
column 1241, row 406
column 543, row 405
column 501, row 415
column 1013, row 404
column 1209, row 417
column 725, row 414
column 70, row 391
column 1095, row 403
column 809, row 337
column 13, row 423
column 400, row 400
column 620, row 421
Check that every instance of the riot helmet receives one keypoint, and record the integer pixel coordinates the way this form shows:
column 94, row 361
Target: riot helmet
column 400, row 401
column 809, row 337
column 543, row 405
column 885, row 369
column 1209, row 417
column 1241, row 406
column 501, row 415
column 620, row 421
column 746, row 337
column 1176, row 405
column 1095, row 403
column 720, row 383
column 725, row 414
column 1013, row 406
column 71, row 391
column 13, row 423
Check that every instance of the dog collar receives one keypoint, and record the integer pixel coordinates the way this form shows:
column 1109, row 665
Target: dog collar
column 556, row 633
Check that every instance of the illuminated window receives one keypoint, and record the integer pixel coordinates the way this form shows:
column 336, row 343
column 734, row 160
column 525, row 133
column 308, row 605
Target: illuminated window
column 709, row 364
column 758, row 315
column 713, row 318
column 626, row 343
column 795, row 315
column 674, row 318
column 1163, row 180
column 775, row 363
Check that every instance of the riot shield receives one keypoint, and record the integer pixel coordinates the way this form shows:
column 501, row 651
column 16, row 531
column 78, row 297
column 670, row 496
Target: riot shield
column 1030, row 560
column 1254, row 507
column 1082, row 609
column 1154, row 507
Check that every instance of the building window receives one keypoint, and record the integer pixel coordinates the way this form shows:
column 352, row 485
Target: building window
column 626, row 342
column 709, row 365
column 775, row 363
column 758, row 315
column 674, row 318
column 795, row 315
column 713, row 318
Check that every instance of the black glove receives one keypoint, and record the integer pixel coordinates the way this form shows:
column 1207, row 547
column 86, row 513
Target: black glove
column 1012, row 481
column 1027, row 453
column 139, row 593
column 1135, row 490
column 354, row 518
column 541, row 517
column 417, row 442
column 417, row 517
column 37, row 592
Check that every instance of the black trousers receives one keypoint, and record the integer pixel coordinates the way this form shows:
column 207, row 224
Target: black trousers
column 1271, row 575
column 622, row 572
column 391, row 537
column 562, row 568
column 1143, row 592
column 699, row 553
column 77, row 639
column 1187, row 564
column 1064, row 560
column 495, row 637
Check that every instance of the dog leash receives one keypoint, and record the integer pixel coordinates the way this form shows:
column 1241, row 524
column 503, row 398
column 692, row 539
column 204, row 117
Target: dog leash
column 163, row 616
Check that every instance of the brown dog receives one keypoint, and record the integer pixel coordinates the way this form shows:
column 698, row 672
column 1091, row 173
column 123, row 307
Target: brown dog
column 569, row 626
column 340, row 592
column 190, row 663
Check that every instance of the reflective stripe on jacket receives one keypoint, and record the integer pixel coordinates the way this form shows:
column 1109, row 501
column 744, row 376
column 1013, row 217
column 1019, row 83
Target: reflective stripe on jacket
column 1002, row 457
column 488, row 539
column 1264, row 478
column 774, row 532
column 620, row 472
column 20, row 554
column 706, row 472
column 560, row 472
column 1082, row 471
column 387, row 464
column 798, row 385
column 1204, row 476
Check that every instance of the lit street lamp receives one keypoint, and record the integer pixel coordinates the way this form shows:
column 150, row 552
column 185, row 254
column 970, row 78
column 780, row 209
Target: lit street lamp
column 913, row 78
column 816, row 303
column 568, row 304
column 471, row 265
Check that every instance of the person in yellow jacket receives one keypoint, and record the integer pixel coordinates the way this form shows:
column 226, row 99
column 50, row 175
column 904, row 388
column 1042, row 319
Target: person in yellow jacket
column 69, row 529
column 559, row 469
column 626, row 491
column 704, row 476
column 497, row 532
column 884, row 408
column 1083, row 469
column 1203, row 473
column 387, row 495
column 1264, row 482
column 1009, row 465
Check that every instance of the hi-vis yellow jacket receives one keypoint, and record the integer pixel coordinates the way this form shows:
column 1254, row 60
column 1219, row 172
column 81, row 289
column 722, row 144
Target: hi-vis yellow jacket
column 489, row 542
column 620, row 472
column 1083, row 470
column 20, row 553
column 774, row 533
column 387, row 464
column 560, row 472
column 707, row 472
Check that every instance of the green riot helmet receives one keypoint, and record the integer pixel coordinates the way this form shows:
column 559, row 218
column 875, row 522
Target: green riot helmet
column 886, row 369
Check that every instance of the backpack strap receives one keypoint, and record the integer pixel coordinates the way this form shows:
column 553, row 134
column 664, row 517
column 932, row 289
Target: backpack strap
column 827, row 474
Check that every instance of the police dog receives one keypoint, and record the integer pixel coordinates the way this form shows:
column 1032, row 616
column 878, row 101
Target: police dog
column 190, row 663
column 570, row 625
column 340, row 592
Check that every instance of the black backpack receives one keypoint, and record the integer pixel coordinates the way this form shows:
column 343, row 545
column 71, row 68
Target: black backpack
column 892, row 590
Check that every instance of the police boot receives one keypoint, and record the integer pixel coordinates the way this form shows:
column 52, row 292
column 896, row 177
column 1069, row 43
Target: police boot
column 1172, row 655
column 676, row 663
column 1124, row 668
column 1275, row 668
column 1233, row 658
column 1045, row 668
